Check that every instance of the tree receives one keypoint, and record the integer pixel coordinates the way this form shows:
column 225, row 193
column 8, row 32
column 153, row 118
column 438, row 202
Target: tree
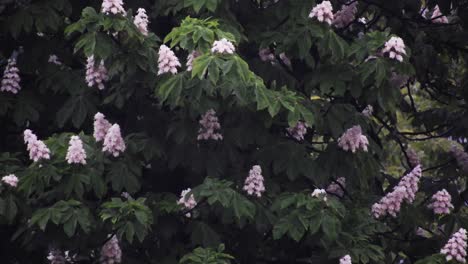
column 222, row 131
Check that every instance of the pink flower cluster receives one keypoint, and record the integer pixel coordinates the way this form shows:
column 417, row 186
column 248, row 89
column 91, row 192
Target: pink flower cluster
column 353, row 139
column 438, row 17
column 298, row 131
column 141, row 21
column 335, row 188
column 167, row 61
column 76, row 153
column 395, row 47
column 190, row 58
column 208, row 125
column 111, row 252
column 101, row 126
column 323, row 12
column 269, row 56
column 113, row 7
column 54, row 59
column 96, row 74
column 441, row 202
column 187, row 202
column 37, row 149
column 413, row 157
column 345, row 15
column 390, row 203
column 461, row 157
column 367, row 112
column 266, row 54
column 320, row 194
column 223, row 46
column 411, row 182
column 285, row 59
column 456, row 247
column 10, row 180
column 56, row 257
column 404, row 191
column 11, row 79
column 253, row 184
column 113, row 141
column 346, row 260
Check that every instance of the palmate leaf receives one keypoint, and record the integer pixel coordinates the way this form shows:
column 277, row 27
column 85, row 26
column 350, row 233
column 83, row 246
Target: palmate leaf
column 124, row 175
column 197, row 34
column 207, row 256
column 70, row 214
column 294, row 224
column 170, row 89
column 128, row 218
column 302, row 214
column 220, row 192
column 204, row 235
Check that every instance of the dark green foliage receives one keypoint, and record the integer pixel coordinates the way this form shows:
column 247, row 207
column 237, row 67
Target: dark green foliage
column 317, row 73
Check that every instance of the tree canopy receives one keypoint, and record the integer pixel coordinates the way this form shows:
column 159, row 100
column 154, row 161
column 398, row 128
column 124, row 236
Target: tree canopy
column 233, row 131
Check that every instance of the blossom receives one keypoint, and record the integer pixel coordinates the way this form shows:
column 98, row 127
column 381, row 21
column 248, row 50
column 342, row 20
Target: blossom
column 167, row 60
column 298, row 131
column 411, row 182
column 390, row 203
column 190, row 58
column 323, row 12
column 367, row 112
column 126, row 195
column 223, row 46
column 285, row 59
column 54, row 59
column 460, row 156
column 441, row 202
column 141, row 21
column 320, row 193
column 113, row 6
column 76, row 153
column 113, row 141
column 101, row 126
column 11, row 79
column 405, row 191
column 111, row 252
column 345, row 15
column 395, row 47
column 253, row 184
column 187, row 202
column 345, row 260
column 413, row 157
column 353, row 139
column 335, row 188
column 56, row 257
column 37, row 149
column 438, row 17
column 422, row 232
column 456, row 247
column 208, row 125
column 96, row 74
column 10, row 180
column 266, row 54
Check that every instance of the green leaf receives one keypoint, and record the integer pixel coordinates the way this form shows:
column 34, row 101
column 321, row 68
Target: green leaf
column 171, row 88
column 204, row 235
column 315, row 222
column 330, row 226
column 124, row 176
column 70, row 226
column 242, row 206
